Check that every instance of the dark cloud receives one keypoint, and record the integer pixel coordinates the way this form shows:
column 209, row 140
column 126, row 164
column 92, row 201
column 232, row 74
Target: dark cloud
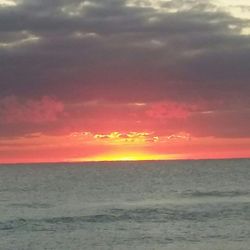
column 45, row 110
column 192, row 52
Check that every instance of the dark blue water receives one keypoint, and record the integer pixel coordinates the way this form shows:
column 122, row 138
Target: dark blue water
column 191, row 205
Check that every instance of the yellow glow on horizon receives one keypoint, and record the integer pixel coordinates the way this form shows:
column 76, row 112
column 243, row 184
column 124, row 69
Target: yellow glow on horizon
column 130, row 156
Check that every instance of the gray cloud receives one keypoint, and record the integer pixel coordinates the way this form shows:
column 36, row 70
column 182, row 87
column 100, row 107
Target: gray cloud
column 191, row 52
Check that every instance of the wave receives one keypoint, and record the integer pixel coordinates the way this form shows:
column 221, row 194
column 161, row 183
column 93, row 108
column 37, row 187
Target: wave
column 30, row 205
column 137, row 215
column 215, row 193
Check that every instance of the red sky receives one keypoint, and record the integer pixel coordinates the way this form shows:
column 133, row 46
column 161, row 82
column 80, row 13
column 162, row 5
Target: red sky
column 124, row 80
column 117, row 131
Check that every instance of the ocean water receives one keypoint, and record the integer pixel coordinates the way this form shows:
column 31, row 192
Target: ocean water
column 173, row 205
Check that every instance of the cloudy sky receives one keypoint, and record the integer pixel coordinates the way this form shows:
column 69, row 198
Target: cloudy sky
column 124, row 79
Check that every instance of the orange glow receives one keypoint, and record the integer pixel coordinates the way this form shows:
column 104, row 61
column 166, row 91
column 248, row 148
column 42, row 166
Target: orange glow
column 119, row 146
column 126, row 138
column 129, row 156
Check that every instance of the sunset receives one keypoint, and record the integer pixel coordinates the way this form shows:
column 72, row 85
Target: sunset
column 124, row 124
column 149, row 70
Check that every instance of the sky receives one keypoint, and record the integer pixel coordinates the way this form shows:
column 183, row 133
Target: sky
column 124, row 80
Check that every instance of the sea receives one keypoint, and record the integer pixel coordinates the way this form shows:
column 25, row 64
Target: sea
column 173, row 205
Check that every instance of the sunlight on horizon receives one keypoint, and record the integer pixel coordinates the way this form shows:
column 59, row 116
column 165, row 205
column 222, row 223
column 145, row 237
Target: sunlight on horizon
column 129, row 156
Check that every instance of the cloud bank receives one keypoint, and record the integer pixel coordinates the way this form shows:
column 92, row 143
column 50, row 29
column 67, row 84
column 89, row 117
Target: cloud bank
column 158, row 66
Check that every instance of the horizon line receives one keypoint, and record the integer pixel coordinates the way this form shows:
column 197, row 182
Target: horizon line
column 114, row 161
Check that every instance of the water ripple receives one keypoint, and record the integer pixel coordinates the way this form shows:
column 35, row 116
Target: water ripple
column 137, row 215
